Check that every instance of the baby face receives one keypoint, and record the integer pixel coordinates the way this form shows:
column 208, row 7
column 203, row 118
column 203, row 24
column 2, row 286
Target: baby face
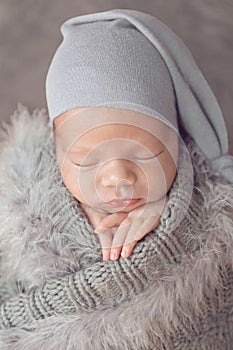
column 108, row 154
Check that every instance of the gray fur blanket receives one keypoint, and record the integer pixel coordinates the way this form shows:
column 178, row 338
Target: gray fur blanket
column 174, row 292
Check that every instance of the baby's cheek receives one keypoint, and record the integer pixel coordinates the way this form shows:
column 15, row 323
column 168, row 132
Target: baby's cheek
column 70, row 178
column 84, row 185
column 155, row 180
column 170, row 169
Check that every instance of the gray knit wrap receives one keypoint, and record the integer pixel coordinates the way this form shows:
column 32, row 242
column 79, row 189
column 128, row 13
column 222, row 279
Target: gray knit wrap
column 96, row 284
column 129, row 59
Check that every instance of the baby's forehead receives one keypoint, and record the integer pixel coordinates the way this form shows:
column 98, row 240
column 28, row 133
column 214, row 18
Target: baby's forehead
column 110, row 135
column 116, row 137
column 111, row 128
column 108, row 122
column 117, row 130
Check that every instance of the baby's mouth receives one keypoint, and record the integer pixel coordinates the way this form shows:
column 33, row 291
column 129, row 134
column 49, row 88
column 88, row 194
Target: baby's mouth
column 123, row 202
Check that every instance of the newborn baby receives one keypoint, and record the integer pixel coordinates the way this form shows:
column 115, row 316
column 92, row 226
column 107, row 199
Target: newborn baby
column 117, row 98
column 120, row 165
column 112, row 100
column 122, row 90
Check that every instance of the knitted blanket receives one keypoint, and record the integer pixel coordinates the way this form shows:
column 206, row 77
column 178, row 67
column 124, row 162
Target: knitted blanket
column 173, row 292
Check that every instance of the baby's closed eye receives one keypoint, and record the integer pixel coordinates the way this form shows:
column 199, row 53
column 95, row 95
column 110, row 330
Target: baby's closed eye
column 141, row 157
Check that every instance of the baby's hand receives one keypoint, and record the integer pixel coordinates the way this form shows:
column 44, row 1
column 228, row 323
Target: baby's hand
column 96, row 218
column 134, row 227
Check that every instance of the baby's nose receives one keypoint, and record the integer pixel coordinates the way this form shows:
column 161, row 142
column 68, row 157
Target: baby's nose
column 114, row 171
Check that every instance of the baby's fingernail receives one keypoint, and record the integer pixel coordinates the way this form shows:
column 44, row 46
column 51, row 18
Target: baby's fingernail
column 124, row 252
column 113, row 255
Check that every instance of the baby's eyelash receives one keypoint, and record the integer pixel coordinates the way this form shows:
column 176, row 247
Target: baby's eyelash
column 141, row 159
column 155, row 156
column 84, row 165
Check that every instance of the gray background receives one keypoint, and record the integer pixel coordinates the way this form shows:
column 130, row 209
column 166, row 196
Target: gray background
column 30, row 34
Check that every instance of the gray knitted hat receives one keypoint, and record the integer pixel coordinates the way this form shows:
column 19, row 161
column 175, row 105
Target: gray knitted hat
column 109, row 63
column 129, row 59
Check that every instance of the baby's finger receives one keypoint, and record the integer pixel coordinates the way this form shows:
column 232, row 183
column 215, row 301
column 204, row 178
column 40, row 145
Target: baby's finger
column 127, row 249
column 106, row 243
column 133, row 238
column 118, row 239
column 111, row 221
column 150, row 224
column 145, row 227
